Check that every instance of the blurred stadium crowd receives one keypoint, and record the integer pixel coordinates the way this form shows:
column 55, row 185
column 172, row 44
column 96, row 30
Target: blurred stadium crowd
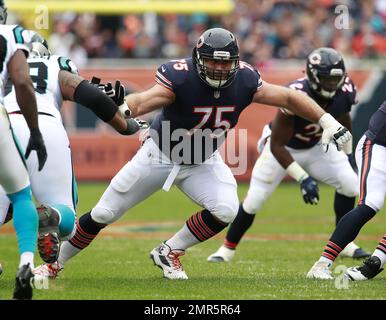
column 266, row 29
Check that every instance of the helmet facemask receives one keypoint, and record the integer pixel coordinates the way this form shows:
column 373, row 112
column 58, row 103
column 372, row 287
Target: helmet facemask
column 39, row 46
column 326, row 85
column 220, row 76
column 326, row 72
column 216, row 57
column 39, row 51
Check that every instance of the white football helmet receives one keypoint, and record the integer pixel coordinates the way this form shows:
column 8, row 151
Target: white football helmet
column 39, row 46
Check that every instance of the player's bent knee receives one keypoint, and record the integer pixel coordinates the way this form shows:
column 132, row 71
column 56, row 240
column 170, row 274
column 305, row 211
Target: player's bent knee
column 103, row 216
column 376, row 205
column 254, row 201
column 225, row 212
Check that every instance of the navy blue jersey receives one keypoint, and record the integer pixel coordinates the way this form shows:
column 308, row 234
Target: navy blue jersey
column 306, row 133
column 377, row 126
column 199, row 108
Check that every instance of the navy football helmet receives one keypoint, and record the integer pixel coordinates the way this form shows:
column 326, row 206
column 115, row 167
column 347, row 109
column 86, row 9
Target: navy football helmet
column 39, row 46
column 3, row 12
column 216, row 45
column 326, row 71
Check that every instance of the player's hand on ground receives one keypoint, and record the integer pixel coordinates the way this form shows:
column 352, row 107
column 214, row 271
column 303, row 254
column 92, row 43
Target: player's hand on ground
column 36, row 142
column 310, row 190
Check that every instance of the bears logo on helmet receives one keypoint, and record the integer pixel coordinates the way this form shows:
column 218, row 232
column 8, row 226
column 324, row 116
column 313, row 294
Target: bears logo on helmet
column 326, row 71
column 216, row 47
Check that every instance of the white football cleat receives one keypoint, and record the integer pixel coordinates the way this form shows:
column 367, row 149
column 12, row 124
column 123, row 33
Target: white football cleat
column 223, row 254
column 48, row 270
column 370, row 268
column 169, row 261
column 320, row 270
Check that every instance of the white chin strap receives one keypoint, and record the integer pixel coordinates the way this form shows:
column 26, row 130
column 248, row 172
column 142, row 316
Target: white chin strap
column 327, row 94
column 214, row 83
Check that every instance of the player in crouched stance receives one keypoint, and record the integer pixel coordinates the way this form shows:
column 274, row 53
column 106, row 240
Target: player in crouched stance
column 370, row 156
column 205, row 93
column 56, row 79
column 290, row 145
column 13, row 173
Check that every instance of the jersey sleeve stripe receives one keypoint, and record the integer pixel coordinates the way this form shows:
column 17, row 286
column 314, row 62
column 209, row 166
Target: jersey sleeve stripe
column 163, row 80
column 17, row 33
column 63, row 64
column 163, row 84
column 287, row 112
column 159, row 75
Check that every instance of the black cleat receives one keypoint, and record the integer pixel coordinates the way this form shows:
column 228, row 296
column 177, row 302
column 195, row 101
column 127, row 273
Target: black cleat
column 361, row 254
column 370, row 268
column 48, row 239
column 23, row 285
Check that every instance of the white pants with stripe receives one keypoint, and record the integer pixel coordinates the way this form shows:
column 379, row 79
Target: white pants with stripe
column 13, row 174
column 371, row 163
column 211, row 185
column 332, row 168
column 54, row 183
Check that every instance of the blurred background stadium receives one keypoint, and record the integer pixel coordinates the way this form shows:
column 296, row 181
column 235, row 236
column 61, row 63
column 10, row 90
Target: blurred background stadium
column 127, row 40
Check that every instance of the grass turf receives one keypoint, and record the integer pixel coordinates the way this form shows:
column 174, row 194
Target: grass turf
column 270, row 263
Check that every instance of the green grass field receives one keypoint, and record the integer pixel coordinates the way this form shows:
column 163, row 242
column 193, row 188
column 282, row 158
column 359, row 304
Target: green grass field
column 271, row 261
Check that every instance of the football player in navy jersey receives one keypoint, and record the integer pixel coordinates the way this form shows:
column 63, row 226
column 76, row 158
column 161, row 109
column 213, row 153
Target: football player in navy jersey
column 370, row 155
column 201, row 99
column 289, row 145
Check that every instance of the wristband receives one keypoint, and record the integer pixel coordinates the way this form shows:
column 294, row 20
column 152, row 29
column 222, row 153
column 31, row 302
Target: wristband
column 296, row 172
column 327, row 121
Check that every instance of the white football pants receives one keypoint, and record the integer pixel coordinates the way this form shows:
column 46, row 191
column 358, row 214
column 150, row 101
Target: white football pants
column 55, row 183
column 211, row 185
column 13, row 173
column 372, row 168
column 332, row 168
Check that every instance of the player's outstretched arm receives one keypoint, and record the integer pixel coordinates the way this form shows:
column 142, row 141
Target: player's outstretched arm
column 25, row 95
column 79, row 90
column 297, row 102
column 282, row 131
column 305, row 107
column 149, row 100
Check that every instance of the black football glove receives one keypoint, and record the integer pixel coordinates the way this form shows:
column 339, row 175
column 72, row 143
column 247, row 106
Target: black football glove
column 36, row 142
column 97, row 82
column 310, row 190
column 118, row 96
